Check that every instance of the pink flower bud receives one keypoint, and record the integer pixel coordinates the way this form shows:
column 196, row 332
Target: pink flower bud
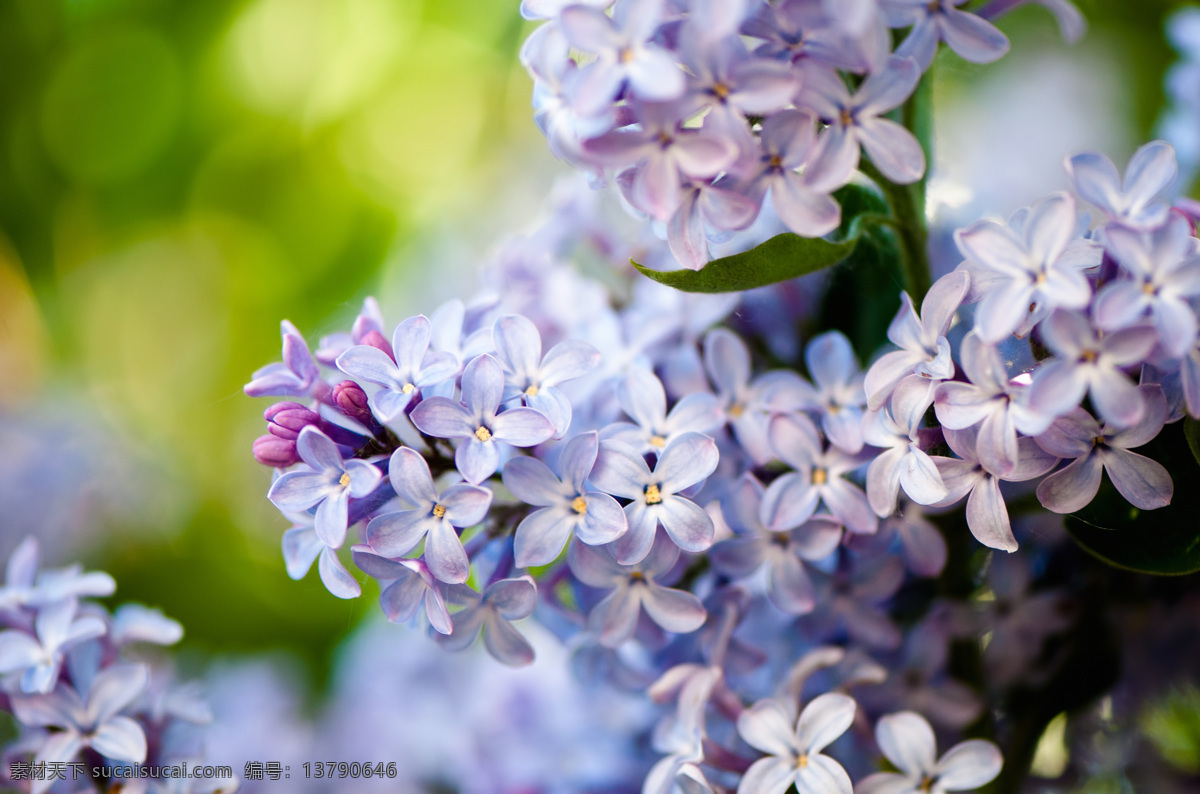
column 376, row 340
column 287, row 419
column 275, row 451
column 352, row 400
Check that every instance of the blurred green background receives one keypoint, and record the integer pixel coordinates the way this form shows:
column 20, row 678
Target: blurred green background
column 177, row 176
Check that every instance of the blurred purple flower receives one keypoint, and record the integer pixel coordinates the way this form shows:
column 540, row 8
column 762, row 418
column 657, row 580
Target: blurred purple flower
column 404, row 585
column 296, row 376
column 502, row 602
column 1151, row 169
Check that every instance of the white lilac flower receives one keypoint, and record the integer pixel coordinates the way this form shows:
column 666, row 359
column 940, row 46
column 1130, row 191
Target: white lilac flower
column 1028, row 268
column 404, row 585
column 38, row 658
column 990, row 401
column 987, row 515
column 94, row 721
column 816, row 479
column 1092, row 449
column 858, row 120
column 632, row 589
column 433, row 518
column 749, row 404
column 787, row 140
column 25, row 586
column 328, row 485
column 839, row 394
column 535, row 378
column 1088, row 362
column 302, row 546
column 137, row 623
column 902, row 464
column 680, row 734
column 1165, row 269
column 782, row 551
column 296, row 376
column 793, row 751
column 415, row 367
column 1151, row 169
column 478, row 425
column 906, row 739
column 924, row 351
column 655, row 497
column 503, row 601
column 644, row 400
column 568, row 506
column 972, row 38
column 624, row 55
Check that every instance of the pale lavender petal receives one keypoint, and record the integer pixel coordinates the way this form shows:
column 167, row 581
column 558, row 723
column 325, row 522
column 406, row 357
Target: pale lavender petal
column 849, row 503
column 317, row 450
column 532, row 482
column 518, row 344
column 120, row 739
column 642, row 398
column 604, row 520
column 467, row 625
column 1002, row 310
column 1058, row 386
column 686, row 461
column 636, row 543
column 1095, row 179
column 803, row 209
column 335, row 576
column 1151, row 169
column 364, row 478
column 567, row 361
column 410, row 477
column 738, row 557
column 410, row 340
column 297, row 491
column 18, row 650
column 444, row 554
column 674, row 610
column 656, row 187
column 614, row 619
column 588, row 29
column 885, row 373
column 482, row 386
column 506, row 645
column 833, row 161
column 620, row 471
column 788, row 502
column 703, row 154
column 655, row 77
column 1143, row 482
column 883, row 480
column 987, row 516
column 331, row 518
column 996, row 444
column 594, row 567
column 972, row 38
column 968, row 765
column 542, row 535
column 790, row 587
column 889, row 87
column 1070, row 436
column 893, row 149
column 513, row 599
column 370, row 364
column 766, row 726
column 686, row 523
column 920, row 479
column 442, row 417
column 727, row 361
column 578, row 458
column 113, row 689
column 795, row 439
column 1116, row 398
column 823, row 775
column 770, row 775
column 1073, row 487
column 886, row 783
column 1119, row 304
column 1151, row 423
column 396, row 534
column 477, row 460
column 823, row 720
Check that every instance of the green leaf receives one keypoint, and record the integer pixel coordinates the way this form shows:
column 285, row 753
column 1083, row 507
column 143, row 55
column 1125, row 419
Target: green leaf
column 1191, row 431
column 1166, row 541
column 781, row 258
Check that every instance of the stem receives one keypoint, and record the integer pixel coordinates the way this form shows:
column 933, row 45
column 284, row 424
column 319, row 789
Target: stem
column 910, row 230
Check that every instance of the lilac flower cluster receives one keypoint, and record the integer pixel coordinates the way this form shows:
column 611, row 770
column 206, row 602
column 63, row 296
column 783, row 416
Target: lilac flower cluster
column 75, row 679
column 705, row 111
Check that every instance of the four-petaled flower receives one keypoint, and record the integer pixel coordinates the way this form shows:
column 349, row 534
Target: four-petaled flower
column 906, row 739
column 793, row 750
column 502, row 602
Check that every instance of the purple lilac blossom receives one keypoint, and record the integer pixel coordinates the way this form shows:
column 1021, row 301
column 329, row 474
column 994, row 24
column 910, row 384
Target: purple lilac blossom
column 492, row 612
column 644, row 400
column 793, row 750
column 568, row 507
column 787, row 142
column 972, row 38
column 896, row 429
column 1151, row 169
column 906, row 739
column 38, row 658
column 404, row 585
column 25, row 586
column 302, row 546
column 296, row 376
column 478, row 425
column 839, row 395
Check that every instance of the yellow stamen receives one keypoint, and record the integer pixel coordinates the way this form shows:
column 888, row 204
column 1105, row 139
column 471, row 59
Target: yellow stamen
column 653, row 497
column 658, row 441
column 1089, row 356
column 625, row 55
column 579, row 505
column 531, row 391
column 820, row 476
column 483, row 434
column 847, row 118
column 926, row 783
column 1097, row 441
column 802, row 761
column 736, row 410
column 439, row 511
column 1149, row 288
column 409, row 388
column 344, row 480
column 720, row 91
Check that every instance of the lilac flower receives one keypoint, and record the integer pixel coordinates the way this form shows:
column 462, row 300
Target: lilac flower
column 404, row 585
column 793, row 498
column 902, row 464
column 1092, row 448
column 852, row 599
column 137, row 623
column 749, row 404
column 624, row 55
column 839, row 394
column 433, row 518
column 1166, row 273
column 920, row 542
column 24, row 586
column 704, row 202
column 924, row 350
column 477, row 425
column 782, row 552
column 787, row 144
column 567, row 506
column 858, row 120
column 634, row 588
column 1151, row 169
column 794, row 751
column 620, row 470
column 1087, row 362
column 503, row 601
column 94, row 722
column 1020, row 620
column 972, row 38
column 302, row 546
column 296, row 376
column 328, row 485
column 369, row 319
column 906, row 739
column 548, row 9
column 415, row 367
column 991, row 400
column 39, row 658
column 987, row 515
column 643, row 398
column 665, row 153
column 536, row 378
column 1026, row 272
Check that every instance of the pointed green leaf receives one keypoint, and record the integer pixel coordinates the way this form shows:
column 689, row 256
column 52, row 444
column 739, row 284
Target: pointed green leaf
column 783, row 257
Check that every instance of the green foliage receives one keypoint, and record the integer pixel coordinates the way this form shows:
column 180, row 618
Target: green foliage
column 1166, row 541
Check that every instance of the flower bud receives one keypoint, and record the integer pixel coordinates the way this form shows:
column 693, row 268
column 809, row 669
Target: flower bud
column 352, row 400
column 274, row 451
column 376, row 340
column 287, row 419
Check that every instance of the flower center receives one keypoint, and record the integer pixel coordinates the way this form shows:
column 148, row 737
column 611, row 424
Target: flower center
column 408, row 388
column 658, row 441
column 847, row 118
column 820, row 476
column 1149, row 289
column 1098, row 441
column 344, row 480
column 736, row 410
column 802, row 761
column 653, row 497
column 531, row 391
column 439, row 511
column 720, row 91
column 483, row 434
column 625, row 54
column 926, row 783
column 1089, row 356
column 579, row 505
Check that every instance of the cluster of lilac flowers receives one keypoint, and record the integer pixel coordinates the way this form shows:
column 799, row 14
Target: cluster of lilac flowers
column 705, row 111
column 84, row 688
column 700, row 505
